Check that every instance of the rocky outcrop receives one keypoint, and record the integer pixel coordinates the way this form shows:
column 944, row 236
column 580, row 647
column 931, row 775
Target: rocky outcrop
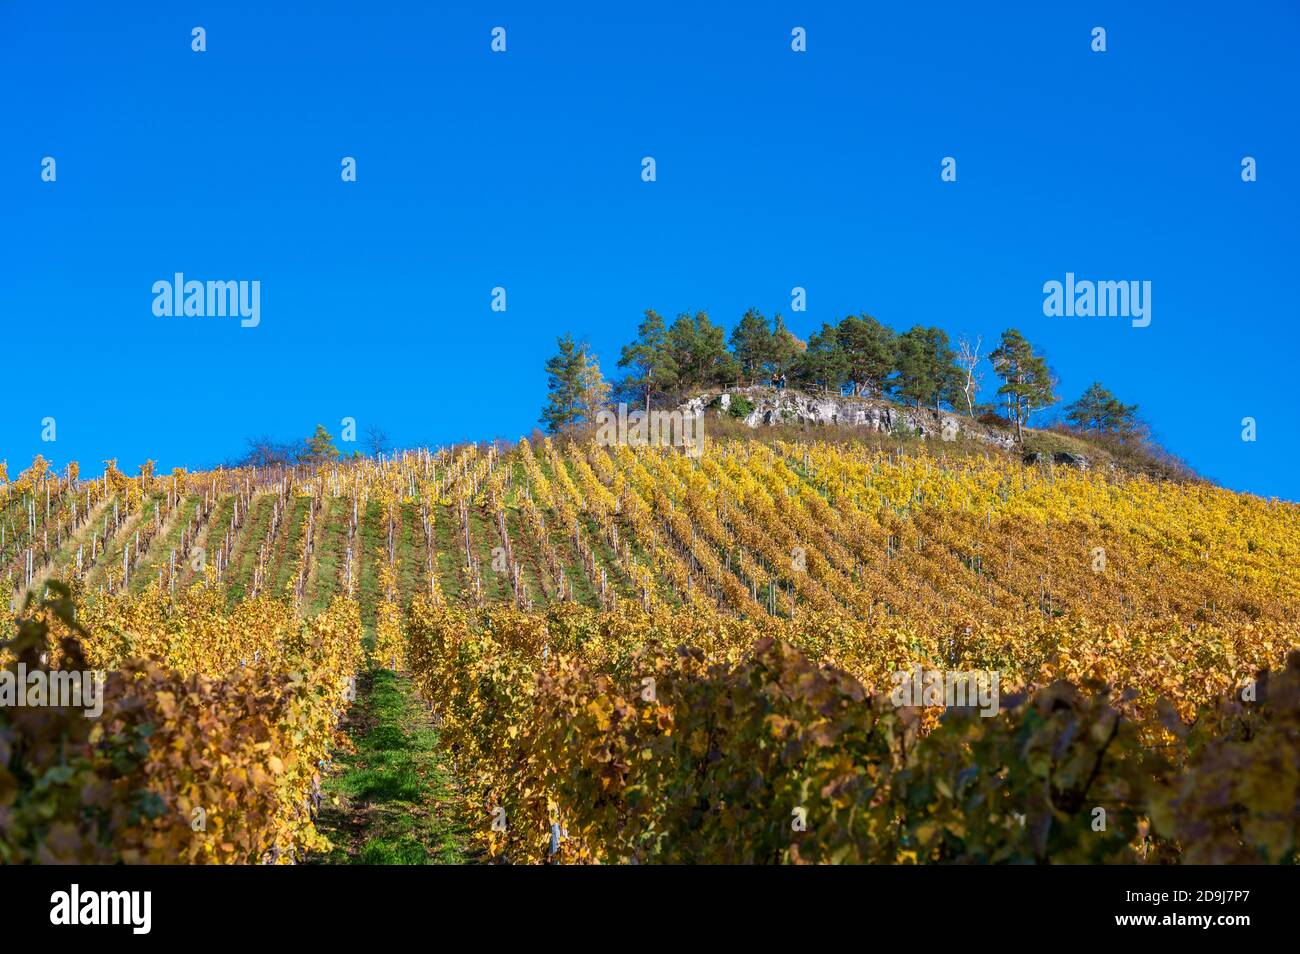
column 1060, row 457
column 787, row 406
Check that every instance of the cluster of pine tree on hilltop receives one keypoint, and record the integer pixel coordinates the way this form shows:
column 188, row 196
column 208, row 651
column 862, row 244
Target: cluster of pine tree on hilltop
column 859, row 355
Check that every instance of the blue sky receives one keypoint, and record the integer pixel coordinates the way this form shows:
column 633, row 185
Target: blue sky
column 775, row 169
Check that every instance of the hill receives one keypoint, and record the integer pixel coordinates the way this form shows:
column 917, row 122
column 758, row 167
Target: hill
column 580, row 615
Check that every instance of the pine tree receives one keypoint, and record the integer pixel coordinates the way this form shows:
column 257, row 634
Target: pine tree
column 1027, row 382
column 653, row 370
column 1099, row 410
column 926, row 372
column 870, row 352
column 824, row 361
column 699, row 349
column 751, row 343
column 319, row 448
column 785, row 348
column 564, row 386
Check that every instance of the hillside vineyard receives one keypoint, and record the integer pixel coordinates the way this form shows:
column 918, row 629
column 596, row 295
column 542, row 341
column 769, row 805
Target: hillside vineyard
column 643, row 655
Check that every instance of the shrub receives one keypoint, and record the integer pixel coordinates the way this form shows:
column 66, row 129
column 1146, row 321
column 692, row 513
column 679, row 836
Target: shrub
column 741, row 407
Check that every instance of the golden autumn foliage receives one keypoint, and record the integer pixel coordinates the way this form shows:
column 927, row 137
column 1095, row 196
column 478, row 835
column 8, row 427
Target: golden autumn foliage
column 211, row 740
column 676, row 653
column 689, row 738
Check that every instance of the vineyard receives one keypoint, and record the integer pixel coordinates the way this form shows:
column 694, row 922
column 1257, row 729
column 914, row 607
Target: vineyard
column 637, row 655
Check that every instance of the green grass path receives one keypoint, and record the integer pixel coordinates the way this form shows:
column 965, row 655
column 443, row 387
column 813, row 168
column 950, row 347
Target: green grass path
column 390, row 802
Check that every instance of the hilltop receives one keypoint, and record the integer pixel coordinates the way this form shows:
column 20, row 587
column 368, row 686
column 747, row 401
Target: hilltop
column 856, row 376
column 798, row 415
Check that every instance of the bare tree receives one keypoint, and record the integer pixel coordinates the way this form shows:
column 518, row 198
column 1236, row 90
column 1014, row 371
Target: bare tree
column 265, row 452
column 377, row 440
column 968, row 359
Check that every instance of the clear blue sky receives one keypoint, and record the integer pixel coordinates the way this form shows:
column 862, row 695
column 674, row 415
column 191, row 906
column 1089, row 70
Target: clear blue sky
column 522, row 169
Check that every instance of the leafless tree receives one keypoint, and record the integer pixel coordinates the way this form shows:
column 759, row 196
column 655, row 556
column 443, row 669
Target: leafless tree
column 265, row 452
column 968, row 359
column 377, row 440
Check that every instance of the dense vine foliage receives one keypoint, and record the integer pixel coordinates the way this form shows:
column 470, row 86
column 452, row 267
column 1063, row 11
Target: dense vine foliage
column 621, row 737
column 634, row 654
column 211, row 739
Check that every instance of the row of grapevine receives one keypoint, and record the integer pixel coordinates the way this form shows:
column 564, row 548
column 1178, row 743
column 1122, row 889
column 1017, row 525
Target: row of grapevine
column 621, row 737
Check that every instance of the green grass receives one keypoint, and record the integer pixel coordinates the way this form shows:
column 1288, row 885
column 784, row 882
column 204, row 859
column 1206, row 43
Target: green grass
column 483, row 534
column 365, row 562
column 210, row 537
column 615, row 578
column 283, row 559
column 529, row 557
column 331, row 553
column 391, row 801
column 447, row 540
column 411, row 578
column 243, row 554
column 159, row 553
